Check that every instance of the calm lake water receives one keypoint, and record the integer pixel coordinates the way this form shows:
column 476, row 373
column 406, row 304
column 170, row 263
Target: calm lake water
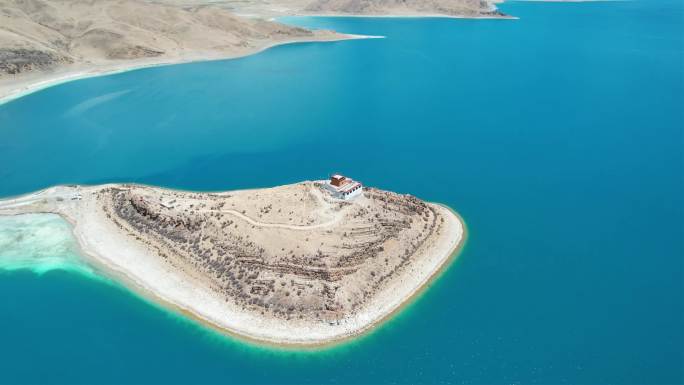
column 558, row 137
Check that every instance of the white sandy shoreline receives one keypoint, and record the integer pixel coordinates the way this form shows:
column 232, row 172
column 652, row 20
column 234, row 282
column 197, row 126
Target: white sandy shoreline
column 147, row 275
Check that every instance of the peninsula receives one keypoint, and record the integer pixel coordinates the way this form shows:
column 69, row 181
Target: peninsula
column 302, row 264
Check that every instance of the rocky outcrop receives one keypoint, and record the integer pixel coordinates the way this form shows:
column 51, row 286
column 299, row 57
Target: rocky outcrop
column 15, row 61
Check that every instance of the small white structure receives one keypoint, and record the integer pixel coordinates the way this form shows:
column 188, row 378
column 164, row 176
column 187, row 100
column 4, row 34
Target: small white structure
column 342, row 187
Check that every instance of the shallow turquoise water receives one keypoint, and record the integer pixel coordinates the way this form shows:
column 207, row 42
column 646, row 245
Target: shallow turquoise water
column 41, row 243
column 558, row 137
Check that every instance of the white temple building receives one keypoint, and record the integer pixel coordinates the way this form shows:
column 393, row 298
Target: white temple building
column 342, row 187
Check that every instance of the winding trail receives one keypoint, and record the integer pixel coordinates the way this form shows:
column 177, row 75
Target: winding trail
column 280, row 225
column 336, row 217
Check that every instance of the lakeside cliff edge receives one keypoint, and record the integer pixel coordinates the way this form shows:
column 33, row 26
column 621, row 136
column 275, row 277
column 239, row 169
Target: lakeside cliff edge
column 303, row 264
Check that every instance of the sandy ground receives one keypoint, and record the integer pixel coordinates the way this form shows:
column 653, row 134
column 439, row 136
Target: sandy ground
column 119, row 255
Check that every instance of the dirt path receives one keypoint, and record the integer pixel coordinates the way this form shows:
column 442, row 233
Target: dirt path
column 322, row 211
column 280, row 225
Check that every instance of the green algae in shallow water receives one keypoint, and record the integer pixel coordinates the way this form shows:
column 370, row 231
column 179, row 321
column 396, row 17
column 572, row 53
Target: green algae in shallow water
column 40, row 243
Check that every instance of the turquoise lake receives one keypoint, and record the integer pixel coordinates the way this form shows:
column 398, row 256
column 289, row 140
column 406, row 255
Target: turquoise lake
column 558, row 137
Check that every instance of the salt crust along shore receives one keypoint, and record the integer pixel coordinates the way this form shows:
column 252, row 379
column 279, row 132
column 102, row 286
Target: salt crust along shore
column 120, row 256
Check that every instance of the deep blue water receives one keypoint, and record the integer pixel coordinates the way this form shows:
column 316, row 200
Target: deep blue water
column 558, row 137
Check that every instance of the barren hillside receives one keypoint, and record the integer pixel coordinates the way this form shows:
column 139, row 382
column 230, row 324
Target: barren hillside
column 39, row 35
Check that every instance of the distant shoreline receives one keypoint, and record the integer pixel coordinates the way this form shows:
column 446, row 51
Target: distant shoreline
column 569, row 1
column 34, row 82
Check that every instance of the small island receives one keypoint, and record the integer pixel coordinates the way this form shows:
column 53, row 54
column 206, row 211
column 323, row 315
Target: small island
column 302, row 264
